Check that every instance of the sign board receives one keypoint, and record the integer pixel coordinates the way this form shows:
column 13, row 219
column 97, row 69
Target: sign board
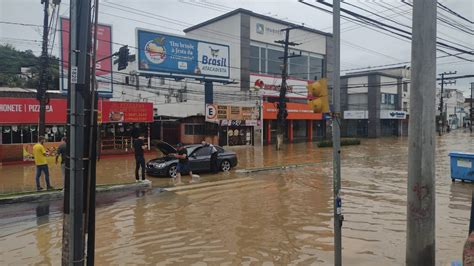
column 166, row 54
column 104, row 68
column 296, row 111
column 356, row 114
column 216, row 113
column 392, row 114
column 270, row 86
column 132, row 112
column 14, row 111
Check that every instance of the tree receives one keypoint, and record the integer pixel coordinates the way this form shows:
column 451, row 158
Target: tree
column 12, row 62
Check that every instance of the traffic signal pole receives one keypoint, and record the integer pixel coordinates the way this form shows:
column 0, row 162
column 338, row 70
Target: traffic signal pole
column 336, row 134
column 420, row 233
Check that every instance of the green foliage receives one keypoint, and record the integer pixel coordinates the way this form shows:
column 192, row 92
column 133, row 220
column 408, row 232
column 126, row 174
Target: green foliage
column 344, row 142
column 11, row 62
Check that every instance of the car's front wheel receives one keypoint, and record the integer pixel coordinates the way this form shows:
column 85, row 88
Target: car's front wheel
column 172, row 170
column 225, row 166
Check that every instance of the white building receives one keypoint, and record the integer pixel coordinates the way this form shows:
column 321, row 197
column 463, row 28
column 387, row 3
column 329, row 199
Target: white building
column 453, row 106
column 255, row 65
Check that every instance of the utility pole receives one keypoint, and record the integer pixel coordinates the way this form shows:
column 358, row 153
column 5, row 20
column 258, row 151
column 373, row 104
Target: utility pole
column 441, row 97
column 44, row 72
column 78, row 91
column 420, row 240
column 336, row 134
column 282, row 112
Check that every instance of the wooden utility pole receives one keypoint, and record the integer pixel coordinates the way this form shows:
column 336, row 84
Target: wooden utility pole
column 420, row 234
column 44, row 72
column 282, row 112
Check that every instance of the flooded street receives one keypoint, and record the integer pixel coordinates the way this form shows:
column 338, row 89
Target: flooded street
column 271, row 217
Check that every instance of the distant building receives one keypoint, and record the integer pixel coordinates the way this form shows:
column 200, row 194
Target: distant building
column 375, row 103
column 453, row 106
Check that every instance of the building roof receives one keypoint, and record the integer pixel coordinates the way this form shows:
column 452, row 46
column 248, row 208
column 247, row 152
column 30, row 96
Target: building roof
column 250, row 13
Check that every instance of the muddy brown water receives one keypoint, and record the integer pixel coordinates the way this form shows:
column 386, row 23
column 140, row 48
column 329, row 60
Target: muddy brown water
column 273, row 217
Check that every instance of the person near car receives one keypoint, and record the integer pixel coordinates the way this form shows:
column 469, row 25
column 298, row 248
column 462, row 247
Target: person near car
column 61, row 152
column 183, row 164
column 138, row 147
column 39, row 154
column 213, row 163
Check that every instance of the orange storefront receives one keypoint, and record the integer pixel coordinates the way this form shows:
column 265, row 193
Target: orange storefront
column 302, row 123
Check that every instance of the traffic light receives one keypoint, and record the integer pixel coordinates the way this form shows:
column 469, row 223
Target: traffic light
column 318, row 96
column 123, row 57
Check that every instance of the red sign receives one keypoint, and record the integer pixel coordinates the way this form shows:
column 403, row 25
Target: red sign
column 26, row 111
column 104, row 49
column 126, row 111
column 14, row 111
column 296, row 111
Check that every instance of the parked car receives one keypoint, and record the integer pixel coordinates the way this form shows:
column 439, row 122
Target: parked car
column 199, row 160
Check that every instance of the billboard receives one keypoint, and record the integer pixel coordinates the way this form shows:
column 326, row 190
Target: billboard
column 172, row 55
column 104, row 49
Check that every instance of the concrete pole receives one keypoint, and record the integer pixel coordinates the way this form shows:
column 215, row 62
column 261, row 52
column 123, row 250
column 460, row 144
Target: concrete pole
column 420, row 245
column 336, row 134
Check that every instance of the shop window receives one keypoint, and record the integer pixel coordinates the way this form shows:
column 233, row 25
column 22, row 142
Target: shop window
column 316, row 66
column 210, row 129
column 274, row 61
column 188, row 130
column 254, row 59
column 6, row 135
column 199, row 130
column 263, row 60
column 299, row 67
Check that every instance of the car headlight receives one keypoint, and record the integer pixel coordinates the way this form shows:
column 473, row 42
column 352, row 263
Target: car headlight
column 160, row 165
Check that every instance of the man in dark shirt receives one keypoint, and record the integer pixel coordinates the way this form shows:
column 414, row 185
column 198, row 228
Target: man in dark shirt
column 61, row 152
column 138, row 147
column 183, row 163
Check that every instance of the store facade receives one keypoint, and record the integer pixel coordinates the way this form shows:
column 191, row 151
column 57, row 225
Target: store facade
column 19, row 125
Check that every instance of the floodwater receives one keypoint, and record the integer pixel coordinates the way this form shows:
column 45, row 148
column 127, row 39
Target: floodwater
column 274, row 217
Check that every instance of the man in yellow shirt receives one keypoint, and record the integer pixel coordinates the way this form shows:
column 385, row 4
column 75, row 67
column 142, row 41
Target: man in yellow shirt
column 39, row 153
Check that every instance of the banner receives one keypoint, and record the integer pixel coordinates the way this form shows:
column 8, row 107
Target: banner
column 104, row 49
column 125, row 112
column 179, row 56
column 296, row 111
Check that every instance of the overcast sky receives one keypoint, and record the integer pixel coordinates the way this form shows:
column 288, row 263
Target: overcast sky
column 361, row 47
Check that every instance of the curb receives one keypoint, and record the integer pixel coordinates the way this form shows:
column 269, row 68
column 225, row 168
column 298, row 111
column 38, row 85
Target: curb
column 55, row 195
column 278, row 167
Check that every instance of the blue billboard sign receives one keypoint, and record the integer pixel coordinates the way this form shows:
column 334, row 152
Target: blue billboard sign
column 167, row 54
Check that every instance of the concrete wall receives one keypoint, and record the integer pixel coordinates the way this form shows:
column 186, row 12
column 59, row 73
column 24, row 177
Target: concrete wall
column 374, row 100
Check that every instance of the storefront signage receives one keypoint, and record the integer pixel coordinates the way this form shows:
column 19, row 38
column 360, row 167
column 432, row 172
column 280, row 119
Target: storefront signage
column 126, row 112
column 296, row 111
column 392, row 114
column 14, row 111
column 236, row 123
column 104, row 67
column 26, row 111
column 356, row 114
column 216, row 113
column 179, row 56
column 270, row 86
